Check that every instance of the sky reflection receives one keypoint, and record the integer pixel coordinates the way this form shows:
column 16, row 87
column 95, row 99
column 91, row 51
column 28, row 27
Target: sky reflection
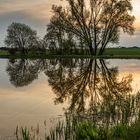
column 34, row 103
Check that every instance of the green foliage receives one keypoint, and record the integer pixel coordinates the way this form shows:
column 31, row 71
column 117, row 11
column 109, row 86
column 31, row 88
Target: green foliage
column 119, row 132
column 87, row 131
column 83, row 130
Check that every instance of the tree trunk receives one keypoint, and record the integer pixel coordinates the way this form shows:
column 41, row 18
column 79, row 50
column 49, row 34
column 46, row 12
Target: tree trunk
column 101, row 50
column 23, row 51
column 92, row 52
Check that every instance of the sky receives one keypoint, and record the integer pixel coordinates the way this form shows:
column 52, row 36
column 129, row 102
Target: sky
column 36, row 13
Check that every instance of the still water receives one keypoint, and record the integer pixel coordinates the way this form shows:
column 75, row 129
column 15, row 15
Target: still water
column 34, row 91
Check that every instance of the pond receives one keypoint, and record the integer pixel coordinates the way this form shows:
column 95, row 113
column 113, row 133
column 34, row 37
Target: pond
column 43, row 91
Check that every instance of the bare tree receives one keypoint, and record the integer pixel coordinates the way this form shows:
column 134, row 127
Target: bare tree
column 20, row 36
column 58, row 38
column 96, row 22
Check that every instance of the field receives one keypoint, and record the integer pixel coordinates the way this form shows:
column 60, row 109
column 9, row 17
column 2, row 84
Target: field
column 109, row 53
column 123, row 51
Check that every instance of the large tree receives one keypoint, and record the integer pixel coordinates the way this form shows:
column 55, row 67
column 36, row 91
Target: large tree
column 59, row 39
column 94, row 22
column 20, row 36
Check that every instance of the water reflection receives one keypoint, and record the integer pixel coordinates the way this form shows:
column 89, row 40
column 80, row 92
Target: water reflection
column 90, row 80
column 22, row 72
column 92, row 87
column 94, row 91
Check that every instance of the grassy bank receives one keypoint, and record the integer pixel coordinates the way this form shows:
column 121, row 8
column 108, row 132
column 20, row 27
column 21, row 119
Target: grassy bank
column 123, row 51
column 4, row 54
column 84, row 130
column 109, row 53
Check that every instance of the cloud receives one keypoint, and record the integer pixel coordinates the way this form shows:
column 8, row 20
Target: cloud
column 40, row 10
column 21, row 17
column 136, row 13
column 37, row 13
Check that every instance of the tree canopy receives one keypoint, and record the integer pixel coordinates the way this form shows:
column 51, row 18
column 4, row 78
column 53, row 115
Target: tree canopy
column 95, row 23
column 20, row 36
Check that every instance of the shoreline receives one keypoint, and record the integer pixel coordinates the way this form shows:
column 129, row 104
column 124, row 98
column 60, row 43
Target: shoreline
column 110, row 53
column 69, row 56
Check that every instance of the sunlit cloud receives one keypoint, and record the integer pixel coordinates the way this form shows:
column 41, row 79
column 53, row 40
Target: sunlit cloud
column 34, row 8
column 42, row 9
column 136, row 12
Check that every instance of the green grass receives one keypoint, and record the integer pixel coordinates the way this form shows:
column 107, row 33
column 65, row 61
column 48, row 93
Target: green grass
column 123, row 51
column 109, row 53
column 4, row 54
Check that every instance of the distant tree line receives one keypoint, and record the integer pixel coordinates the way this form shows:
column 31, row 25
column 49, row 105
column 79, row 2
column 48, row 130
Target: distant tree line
column 83, row 27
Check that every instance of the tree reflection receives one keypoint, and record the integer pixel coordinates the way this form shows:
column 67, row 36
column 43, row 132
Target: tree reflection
column 22, row 72
column 94, row 90
column 92, row 87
